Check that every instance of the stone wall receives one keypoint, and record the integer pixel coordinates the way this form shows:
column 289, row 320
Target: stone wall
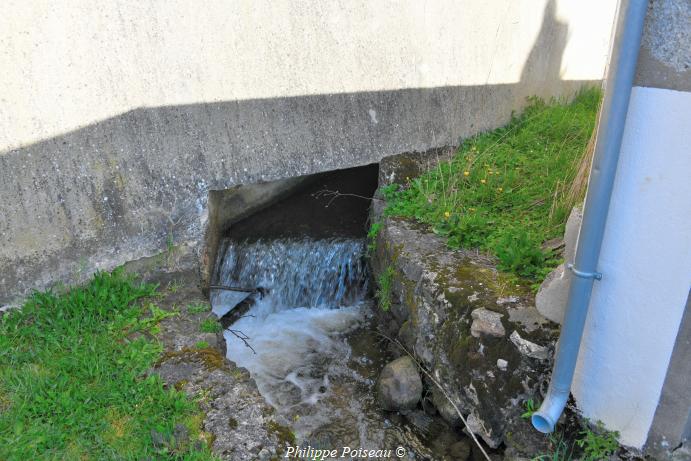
column 476, row 331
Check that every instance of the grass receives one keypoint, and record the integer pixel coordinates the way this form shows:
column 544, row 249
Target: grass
column 210, row 326
column 561, row 450
column 384, row 288
column 198, row 308
column 372, row 234
column 73, row 382
column 530, row 408
column 591, row 445
column 508, row 191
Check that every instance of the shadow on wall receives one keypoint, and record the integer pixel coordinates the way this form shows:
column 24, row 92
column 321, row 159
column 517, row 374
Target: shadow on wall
column 543, row 64
column 128, row 186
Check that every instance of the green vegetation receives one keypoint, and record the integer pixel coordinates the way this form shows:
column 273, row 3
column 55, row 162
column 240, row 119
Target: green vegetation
column 174, row 286
column 530, row 408
column 598, row 444
column 201, row 345
column 198, row 308
column 73, row 381
column 385, row 287
column 561, row 450
column 509, row 190
column 210, row 326
column 372, row 234
column 595, row 445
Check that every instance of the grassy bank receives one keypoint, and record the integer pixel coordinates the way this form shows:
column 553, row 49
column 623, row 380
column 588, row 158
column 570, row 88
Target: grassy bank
column 509, row 190
column 73, row 381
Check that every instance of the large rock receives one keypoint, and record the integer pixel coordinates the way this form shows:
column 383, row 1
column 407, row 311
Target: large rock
column 399, row 386
column 486, row 323
column 551, row 297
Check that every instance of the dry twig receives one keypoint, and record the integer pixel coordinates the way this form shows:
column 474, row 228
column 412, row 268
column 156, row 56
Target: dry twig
column 334, row 194
column 242, row 337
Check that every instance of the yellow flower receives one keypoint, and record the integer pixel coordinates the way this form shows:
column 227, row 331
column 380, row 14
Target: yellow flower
column 447, row 214
column 466, row 173
column 500, row 189
column 472, row 209
column 483, row 181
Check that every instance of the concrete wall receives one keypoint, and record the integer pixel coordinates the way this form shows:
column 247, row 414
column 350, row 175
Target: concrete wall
column 627, row 375
column 117, row 118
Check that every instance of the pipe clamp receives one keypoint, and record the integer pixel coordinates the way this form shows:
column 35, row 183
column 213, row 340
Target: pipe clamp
column 584, row 275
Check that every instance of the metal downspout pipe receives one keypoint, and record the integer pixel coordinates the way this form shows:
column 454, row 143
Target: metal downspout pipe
column 622, row 68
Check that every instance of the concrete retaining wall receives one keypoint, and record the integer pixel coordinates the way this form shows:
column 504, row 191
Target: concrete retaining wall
column 118, row 118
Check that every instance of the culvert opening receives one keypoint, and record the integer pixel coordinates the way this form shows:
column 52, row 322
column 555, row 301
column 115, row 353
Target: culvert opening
column 304, row 323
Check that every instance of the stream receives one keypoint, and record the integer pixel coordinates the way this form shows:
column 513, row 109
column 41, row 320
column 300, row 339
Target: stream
column 315, row 354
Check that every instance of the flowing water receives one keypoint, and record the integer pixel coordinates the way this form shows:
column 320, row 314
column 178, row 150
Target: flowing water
column 317, row 354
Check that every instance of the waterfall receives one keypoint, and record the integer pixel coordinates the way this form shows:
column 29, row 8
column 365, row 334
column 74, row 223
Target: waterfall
column 298, row 273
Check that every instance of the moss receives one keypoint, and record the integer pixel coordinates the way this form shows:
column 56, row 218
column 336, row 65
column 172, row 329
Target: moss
column 208, row 438
column 180, row 385
column 210, row 357
column 385, row 283
column 285, row 436
column 405, row 167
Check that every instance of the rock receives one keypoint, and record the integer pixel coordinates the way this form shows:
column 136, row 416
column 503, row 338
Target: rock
column 477, row 425
column 399, row 386
column 445, row 409
column 553, row 245
column 511, row 455
column 158, row 440
column 229, row 390
column 502, row 364
column 181, row 435
column 264, row 455
column 507, row 300
column 486, row 322
column 460, row 450
column 420, row 420
column 551, row 297
column 406, row 335
column 528, row 348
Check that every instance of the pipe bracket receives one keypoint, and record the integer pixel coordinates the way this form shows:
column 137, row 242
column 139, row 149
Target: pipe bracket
column 584, row 275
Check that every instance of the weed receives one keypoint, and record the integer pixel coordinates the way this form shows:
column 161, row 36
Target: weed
column 598, row 444
column 385, row 287
column 156, row 314
column 372, row 237
column 201, row 345
column 74, row 382
column 530, row 408
column 198, row 308
column 174, row 286
column 561, row 449
column 509, row 190
column 170, row 243
column 210, row 326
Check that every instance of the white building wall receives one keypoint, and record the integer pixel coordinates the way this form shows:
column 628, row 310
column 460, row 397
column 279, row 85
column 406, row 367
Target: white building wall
column 71, row 63
column 636, row 309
